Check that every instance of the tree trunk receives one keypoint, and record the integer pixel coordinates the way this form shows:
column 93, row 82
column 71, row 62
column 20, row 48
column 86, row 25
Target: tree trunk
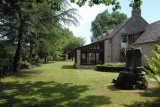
column 45, row 59
column 16, row 62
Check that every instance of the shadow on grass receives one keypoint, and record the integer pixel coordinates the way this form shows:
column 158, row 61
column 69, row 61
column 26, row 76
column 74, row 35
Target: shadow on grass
column 153, row 93
column 50, row 62
column 68, row 67
column 90, row 101
column 112, row 88
column 47, row 94
column 27, row 73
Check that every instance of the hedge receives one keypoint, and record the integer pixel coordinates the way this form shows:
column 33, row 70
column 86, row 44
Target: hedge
column 111, row 67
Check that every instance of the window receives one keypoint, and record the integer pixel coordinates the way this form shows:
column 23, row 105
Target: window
column 131, row 39
column 92, row 54
column 94, row 46
column 101, row 45
column 134, row 37
column 91, row 58
column 98, row 46
column 124, row 38
column 99, row 58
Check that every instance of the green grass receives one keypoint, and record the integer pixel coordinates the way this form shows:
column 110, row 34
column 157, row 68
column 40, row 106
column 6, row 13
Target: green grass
column 59, row 85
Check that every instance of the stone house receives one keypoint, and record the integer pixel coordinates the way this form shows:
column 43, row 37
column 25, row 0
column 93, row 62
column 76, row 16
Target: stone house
column 111, row 46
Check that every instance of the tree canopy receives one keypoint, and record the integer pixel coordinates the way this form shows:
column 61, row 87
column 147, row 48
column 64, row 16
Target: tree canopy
column 114, row 3
column 34, row 27
column 105, row 21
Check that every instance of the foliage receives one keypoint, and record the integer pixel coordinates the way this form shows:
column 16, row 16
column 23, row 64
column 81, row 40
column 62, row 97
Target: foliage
column 43, row 49
column 71, row 43
column 6, row 58
column 25, row 65
column 114, row 3
column 105, row 21
column 49, row 58
column 154, row 64
column 111, row 67
column 136, row 4
column 26, row 22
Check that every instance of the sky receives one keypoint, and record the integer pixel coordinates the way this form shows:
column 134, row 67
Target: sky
column 150, row 11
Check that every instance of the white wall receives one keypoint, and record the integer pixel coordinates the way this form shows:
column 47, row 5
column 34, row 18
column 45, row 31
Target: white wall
column 146, row 49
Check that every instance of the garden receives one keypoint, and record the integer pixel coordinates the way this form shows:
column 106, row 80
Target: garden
column 58, row 84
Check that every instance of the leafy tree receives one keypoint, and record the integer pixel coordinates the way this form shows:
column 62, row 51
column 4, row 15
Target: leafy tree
column 154, row 64
column 105, row 21
column 115, row 3
column 18, row 12
column 73, row 43
column 26, row 19
column 44, row 49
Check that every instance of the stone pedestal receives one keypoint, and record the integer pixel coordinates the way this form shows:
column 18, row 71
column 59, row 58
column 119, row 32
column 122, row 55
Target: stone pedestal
column 130, row 80
column 133, row 77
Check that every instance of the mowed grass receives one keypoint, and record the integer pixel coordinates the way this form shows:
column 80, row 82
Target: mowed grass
column 57, row 84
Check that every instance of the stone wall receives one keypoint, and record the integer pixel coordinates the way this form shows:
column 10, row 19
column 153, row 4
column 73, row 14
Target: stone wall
column 146, row 49
column 78, row 59
column 116, row 48
column 107, row 51
column 134, row 25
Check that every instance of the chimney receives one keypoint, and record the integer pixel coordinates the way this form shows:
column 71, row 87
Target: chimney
column 136, row 12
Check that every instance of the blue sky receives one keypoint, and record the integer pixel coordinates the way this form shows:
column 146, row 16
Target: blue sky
column 150, row 11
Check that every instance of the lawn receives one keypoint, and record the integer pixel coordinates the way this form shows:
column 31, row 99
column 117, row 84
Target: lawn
column 57, row 84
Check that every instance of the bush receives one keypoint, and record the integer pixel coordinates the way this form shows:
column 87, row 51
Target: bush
column 154, row 65
column 5, row 67
column 111, row 67
column 25, row 65
column 6, row 58
column 49, row 58
column 56, row 56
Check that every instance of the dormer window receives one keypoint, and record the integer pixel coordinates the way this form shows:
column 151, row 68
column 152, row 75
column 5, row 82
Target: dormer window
column 131, row 39
column 134, row 37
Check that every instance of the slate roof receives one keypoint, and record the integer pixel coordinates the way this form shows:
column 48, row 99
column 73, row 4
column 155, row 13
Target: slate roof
column 116, row 29
column 151, row 34
column 112, row 32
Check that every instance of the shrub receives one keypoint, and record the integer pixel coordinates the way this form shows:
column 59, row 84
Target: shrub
column 49, row 58
column 56, row 56
column 25, row 65
column 111, row 67
column 154, row 65
column 6, row 58
column 5, row 67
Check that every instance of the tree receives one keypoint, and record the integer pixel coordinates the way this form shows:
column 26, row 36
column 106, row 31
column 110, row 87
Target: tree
column 26, row 18
column 72, row 43
column 115, row 3
column 154, row 65
column 105, row 21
